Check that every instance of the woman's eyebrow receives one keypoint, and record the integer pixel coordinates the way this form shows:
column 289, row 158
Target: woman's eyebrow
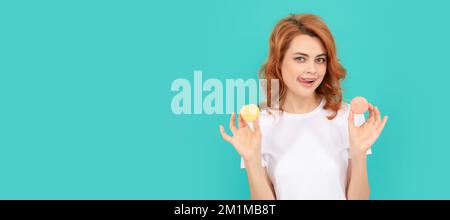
column 322, row 54
column 303, row 54
column 306, row 55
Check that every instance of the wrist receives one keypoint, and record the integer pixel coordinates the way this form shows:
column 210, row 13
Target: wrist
column 253, row 162
column 359, row 157
column 358, row 150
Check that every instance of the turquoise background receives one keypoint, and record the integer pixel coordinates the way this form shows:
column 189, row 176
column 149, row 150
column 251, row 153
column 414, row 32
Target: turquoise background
column 85, row 93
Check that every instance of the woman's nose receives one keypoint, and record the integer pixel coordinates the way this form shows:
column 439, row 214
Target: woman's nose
column 311, row 68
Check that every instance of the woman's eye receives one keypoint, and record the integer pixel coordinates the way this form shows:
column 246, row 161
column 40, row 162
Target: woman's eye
column 321, row 60
column 301, row 59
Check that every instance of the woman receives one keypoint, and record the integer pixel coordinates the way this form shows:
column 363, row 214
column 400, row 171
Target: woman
column 310, row 146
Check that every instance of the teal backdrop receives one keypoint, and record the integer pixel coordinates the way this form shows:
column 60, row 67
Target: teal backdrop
column 85, row 98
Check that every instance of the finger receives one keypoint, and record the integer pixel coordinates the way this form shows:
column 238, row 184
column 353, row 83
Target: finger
column 371, row 114
column 351, row 121
column 241, row 122
column 233, row 123
column 225, row 136
column 256, row 127
column 377, row 116
column 381, row 127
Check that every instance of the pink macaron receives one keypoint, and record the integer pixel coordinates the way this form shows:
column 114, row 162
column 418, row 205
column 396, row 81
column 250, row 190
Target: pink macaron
column 359, row 105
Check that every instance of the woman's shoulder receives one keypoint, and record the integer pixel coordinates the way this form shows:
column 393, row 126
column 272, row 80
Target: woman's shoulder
column 345, row 108
column 343, row 112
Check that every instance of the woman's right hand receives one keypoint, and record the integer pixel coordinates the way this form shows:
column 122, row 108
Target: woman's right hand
column 246, row 141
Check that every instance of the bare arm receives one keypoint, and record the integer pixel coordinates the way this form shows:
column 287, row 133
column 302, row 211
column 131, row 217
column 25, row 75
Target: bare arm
column 260, row 186
column 358, row 182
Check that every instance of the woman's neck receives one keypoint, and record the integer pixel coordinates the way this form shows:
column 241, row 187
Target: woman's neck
column 300, row 105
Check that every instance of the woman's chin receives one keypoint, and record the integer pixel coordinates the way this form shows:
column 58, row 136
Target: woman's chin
column 304, row 92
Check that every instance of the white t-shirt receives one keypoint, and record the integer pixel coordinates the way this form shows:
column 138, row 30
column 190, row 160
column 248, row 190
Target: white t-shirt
column 306, row 155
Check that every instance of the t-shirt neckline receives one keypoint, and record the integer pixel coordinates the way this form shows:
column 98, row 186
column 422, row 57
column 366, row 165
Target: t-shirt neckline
column 307, row 114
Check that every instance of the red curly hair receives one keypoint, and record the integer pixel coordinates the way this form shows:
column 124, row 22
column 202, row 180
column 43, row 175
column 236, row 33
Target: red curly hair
column 280, row 39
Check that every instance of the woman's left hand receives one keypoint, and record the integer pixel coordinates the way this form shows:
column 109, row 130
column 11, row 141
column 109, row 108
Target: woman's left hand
column 363, row 137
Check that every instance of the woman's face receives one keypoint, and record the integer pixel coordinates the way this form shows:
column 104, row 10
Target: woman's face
column 304, row 65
